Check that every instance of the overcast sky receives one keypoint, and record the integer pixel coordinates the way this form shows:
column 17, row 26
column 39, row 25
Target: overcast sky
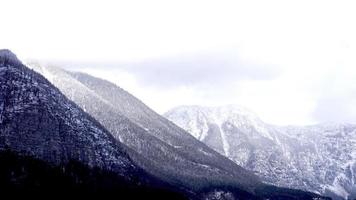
column 292, row 62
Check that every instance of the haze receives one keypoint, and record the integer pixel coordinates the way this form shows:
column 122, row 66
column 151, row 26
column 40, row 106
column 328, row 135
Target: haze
column 292, row 62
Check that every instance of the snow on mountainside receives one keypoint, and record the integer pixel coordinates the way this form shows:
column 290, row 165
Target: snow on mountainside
column 31, row 107
column 319, row 158
column 37, row 120
column 48, row 143
column 170, row 150
column 171, row 153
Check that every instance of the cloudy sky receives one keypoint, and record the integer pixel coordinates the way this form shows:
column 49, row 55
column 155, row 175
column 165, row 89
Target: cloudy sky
column 292, row 62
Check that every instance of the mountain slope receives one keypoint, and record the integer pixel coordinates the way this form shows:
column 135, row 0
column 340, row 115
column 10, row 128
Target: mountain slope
column 316, row 158
column 173, row 154
column 173, row 151
column 41, row 129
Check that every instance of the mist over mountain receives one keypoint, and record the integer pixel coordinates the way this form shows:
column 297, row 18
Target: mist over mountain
column 141, row 100
column 159, row 146
column 319, row 158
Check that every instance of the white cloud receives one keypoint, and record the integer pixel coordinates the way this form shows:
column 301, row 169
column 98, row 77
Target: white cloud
column 312, row 42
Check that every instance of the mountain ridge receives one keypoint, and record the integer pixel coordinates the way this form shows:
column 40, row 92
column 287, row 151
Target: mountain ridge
column 177, row 156
column 314, row 158
column 158, row 135
column 41, row 129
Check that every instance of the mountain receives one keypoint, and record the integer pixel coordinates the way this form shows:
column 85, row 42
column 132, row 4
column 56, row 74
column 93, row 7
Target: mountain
column 171, row 153
column 319, row 158
column 49, row 144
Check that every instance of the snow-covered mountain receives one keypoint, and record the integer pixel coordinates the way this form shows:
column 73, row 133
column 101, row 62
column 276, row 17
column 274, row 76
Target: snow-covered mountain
column 36, row 118
column 45, row 138
column 320, row 158
column 171, row 153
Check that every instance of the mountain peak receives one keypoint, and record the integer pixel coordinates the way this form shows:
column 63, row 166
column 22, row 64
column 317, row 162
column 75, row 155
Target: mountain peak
column 219, row 112
column 7, row 57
